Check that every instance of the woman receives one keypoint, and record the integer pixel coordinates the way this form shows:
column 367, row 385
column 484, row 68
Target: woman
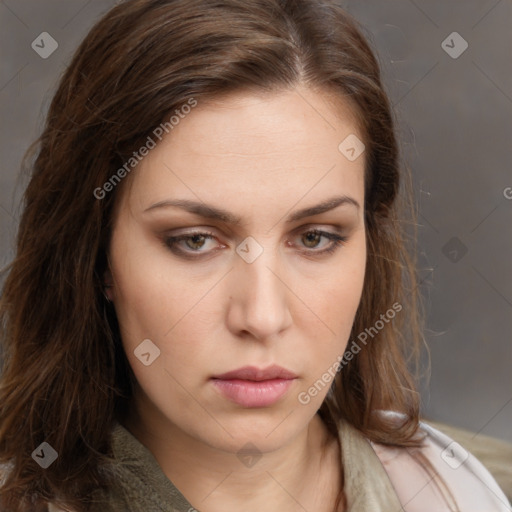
column 211, row 305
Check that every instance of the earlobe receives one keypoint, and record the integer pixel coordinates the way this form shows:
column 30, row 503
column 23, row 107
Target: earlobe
column 107, row 291
column 108, row 285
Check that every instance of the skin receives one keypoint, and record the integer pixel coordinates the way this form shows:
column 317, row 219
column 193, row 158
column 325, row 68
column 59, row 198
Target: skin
column 262, row 157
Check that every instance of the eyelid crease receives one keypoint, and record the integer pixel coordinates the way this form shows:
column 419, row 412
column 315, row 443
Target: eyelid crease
column 336, row 239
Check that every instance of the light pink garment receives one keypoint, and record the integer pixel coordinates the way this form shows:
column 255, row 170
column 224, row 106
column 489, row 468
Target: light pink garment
column 454, row 481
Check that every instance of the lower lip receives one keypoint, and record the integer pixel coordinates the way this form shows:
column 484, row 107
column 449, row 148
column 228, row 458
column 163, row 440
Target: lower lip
column 248, row 393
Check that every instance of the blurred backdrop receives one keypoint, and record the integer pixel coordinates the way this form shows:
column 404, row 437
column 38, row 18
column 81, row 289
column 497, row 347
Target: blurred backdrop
column 448, row 70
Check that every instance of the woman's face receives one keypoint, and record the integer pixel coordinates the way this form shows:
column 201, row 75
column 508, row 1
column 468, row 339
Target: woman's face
column 262, row 290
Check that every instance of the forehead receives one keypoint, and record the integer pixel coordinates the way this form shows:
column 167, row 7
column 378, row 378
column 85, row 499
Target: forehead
column 251, row 123
column 266, row 146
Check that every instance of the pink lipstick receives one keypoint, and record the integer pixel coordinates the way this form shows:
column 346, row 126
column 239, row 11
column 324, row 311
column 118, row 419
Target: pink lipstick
column 253, row 387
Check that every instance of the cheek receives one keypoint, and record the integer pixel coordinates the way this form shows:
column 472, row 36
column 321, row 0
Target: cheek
column 156, row 304
column 335, row 301
column 340, row 291
column 324, row 352
column 149, row 300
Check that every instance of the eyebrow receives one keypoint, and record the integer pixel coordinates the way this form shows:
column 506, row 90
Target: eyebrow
column 211, row 212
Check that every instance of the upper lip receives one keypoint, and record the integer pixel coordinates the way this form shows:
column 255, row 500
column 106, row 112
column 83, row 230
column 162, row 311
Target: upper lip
column 257, row 374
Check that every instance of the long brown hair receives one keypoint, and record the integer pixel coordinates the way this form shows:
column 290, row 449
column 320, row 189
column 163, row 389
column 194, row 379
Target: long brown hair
column 65, row 378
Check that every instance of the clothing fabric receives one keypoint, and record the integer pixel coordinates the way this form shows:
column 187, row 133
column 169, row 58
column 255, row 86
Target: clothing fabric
column 442, row 474
column 495, row 454
column 438, row 477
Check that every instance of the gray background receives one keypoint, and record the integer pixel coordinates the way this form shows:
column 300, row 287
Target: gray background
column 456, row 129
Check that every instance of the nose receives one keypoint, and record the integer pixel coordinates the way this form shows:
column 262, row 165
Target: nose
column 259, row 295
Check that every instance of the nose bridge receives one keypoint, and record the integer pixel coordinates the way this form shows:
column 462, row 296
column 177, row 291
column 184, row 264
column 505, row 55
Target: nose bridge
column 262, row 295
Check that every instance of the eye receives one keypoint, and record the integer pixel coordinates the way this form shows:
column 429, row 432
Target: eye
column 188, row 245
column 193, row 243
column 311, row 239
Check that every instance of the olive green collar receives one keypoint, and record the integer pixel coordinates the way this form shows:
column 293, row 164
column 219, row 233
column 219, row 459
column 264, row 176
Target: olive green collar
column 145, row 488
column 367, row 485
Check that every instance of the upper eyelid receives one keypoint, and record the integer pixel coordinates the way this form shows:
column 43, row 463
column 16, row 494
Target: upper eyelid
column 209, row 234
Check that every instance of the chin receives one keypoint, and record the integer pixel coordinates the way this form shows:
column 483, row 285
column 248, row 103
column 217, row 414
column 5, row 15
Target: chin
column 268, row 430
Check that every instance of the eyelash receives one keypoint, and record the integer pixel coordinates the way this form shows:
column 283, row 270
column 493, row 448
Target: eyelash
column 337, row 240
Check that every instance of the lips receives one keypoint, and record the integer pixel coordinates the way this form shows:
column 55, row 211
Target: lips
column 256, row 374
column 254, row 387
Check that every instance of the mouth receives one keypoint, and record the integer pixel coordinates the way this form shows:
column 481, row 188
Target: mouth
column 254, row 387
